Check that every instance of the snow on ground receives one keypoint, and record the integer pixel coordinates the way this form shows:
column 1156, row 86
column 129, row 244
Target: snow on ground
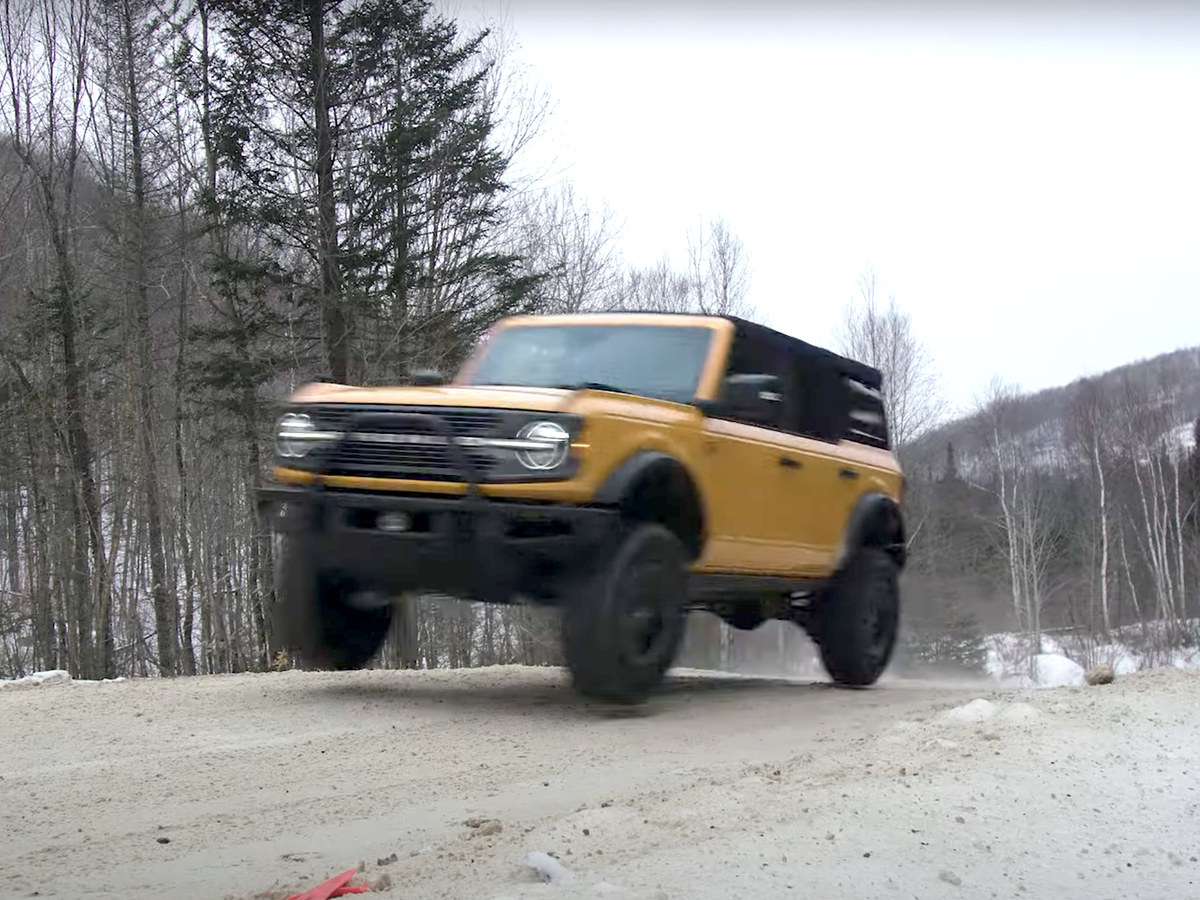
column 1183, row 437
column 500, row 784
column 51, row 677
column 1055, row 670
column 1063, row 659
column 38, row 679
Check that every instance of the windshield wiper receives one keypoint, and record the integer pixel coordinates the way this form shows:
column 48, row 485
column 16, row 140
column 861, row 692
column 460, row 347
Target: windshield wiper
column 591, row 386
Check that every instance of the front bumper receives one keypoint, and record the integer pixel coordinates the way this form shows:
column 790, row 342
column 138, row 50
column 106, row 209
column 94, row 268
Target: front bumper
column 469, row 546
column 466, row 547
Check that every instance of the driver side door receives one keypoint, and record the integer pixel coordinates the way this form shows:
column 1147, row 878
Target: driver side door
column 750, row 473
column 752, row 470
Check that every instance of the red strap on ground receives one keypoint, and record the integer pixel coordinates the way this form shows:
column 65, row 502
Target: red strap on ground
column 338, row 886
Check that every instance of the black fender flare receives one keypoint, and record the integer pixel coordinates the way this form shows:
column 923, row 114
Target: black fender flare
column 875, row 521
column 649, row 465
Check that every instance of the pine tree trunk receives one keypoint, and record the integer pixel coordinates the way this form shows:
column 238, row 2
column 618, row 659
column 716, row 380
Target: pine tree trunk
column 160, row 592
column 333, row 316
column 188, row 621
column 85, row 505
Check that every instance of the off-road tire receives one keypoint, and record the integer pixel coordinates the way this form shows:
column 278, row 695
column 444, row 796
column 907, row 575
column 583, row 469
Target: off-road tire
column 622, row 624
column 318, row 624
column 858, row 618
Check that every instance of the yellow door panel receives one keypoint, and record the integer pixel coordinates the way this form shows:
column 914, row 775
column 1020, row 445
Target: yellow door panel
column 822, row 508
column 752, row 499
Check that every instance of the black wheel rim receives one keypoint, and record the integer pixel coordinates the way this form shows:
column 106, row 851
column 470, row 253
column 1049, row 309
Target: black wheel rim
column 644, row 620
column 879, row 622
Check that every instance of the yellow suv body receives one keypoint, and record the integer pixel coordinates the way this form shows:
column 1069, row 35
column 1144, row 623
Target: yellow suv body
column 626, row 467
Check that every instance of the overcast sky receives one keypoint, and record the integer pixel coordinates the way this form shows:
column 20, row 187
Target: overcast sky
column 1027, row 184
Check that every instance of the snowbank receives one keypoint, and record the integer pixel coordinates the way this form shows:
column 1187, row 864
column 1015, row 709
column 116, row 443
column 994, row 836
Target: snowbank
column 1055, row 670
column 974, row 712
column 1062, row 660
column 979, row 711
column 39, row 679
column 54, row 676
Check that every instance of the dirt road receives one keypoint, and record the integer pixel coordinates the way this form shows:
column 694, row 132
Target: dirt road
column 230, row 786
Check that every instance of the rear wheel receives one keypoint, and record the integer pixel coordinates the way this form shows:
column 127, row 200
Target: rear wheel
column 856, row 622
column 320, row 620
column 622, row 626
column 746, row 617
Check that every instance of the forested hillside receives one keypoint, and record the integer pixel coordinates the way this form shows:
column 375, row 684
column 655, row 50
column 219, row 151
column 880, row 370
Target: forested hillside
column 1069, row 508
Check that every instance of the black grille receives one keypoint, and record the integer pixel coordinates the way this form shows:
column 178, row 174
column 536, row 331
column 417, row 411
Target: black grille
column 464, row 422
column 422, row 461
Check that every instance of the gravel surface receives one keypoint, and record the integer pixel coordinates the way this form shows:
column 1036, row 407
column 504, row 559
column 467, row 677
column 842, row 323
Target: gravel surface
column 499, row 783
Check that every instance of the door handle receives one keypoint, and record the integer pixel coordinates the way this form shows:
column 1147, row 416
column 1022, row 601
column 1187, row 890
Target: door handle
column 788, row 463
column 848, row 473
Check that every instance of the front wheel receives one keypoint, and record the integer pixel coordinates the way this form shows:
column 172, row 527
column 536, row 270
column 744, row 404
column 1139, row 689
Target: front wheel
column 622, row 626
column 319, row 620
column 856, row 622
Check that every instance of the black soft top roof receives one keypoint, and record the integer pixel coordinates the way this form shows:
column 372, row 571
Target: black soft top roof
column 860, row 372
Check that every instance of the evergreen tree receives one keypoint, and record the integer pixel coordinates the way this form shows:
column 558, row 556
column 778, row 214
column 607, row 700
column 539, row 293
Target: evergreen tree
column 240, row 345
column 424, row 207
column 365, row 143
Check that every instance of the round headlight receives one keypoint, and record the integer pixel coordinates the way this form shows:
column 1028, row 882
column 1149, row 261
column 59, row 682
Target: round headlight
column 293, row 435
column 552, row 440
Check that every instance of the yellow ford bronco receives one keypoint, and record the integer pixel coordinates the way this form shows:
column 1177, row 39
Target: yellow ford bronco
column 624, row 467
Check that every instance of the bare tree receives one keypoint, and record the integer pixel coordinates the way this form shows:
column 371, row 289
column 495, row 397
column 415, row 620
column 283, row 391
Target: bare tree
column 132, row 100
column 47, row 53
column 519, row 104
column 715, row 281
column 1027, row 523
column 719, row 267
column 1087, row 433
column 1146, row 423
column 570, row 246
column 882, row 336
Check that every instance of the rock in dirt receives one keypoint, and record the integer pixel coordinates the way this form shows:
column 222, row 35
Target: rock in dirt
column 1101, row 674
column 484, row 827
column 382, row 883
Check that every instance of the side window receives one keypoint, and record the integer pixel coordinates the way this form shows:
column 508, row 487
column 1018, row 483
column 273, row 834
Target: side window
column 809, row 389
column 748, row 358
column 820, row 404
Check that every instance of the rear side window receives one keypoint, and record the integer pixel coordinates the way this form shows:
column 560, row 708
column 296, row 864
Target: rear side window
column 748, row 356
column 867, row 417
column 821, row 402
column 824, row 396
column 814, row 394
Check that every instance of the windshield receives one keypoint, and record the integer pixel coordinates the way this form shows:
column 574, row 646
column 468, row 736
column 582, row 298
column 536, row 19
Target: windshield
column 659, row 361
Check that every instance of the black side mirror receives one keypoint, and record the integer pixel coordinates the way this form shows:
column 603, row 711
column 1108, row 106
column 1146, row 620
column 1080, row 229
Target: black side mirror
column 754, row 398
column 427, row 378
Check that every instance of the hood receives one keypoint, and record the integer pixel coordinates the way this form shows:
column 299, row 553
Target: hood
column 483, row 397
